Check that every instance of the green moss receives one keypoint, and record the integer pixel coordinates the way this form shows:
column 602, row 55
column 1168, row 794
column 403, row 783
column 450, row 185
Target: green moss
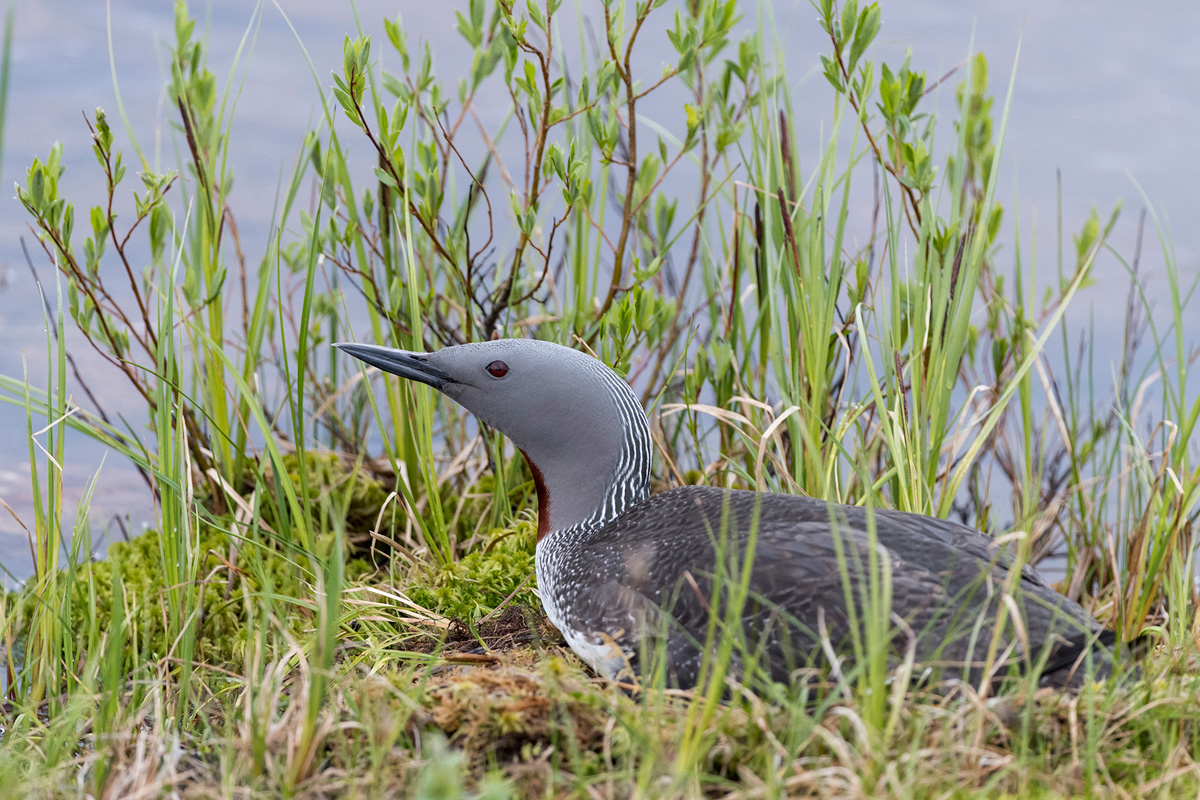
column 481, row 580
column 229, row 585
column 232, row 574
column 139, row 562
column 334, row 485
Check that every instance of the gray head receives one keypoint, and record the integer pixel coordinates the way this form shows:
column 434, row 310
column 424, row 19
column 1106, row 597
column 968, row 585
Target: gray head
column 578, row 424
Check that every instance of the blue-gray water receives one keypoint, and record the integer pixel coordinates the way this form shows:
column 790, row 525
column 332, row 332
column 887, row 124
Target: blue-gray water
column 1105, row 92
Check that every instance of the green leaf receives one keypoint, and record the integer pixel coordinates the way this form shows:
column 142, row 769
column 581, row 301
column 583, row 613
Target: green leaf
column 68, row 223
column 472, row 34
column 864, row 34
column 832, row 73
column 535, row 14
column 37, row 186
column 650, row 271
column 386, row 178
column 849, row 17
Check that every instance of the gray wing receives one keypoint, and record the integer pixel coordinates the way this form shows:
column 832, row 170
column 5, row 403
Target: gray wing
column 808, row 590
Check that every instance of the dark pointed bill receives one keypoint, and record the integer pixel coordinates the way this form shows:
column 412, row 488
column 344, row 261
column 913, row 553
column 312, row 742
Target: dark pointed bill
column 412, row 366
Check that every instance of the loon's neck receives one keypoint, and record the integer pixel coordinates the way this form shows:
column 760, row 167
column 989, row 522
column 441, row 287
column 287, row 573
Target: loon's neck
column 613, row 475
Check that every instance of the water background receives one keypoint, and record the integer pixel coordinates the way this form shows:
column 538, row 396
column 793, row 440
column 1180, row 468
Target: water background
column 1106, row 93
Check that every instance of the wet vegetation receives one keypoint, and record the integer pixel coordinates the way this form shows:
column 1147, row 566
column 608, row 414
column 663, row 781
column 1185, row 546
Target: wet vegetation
column 336, row 597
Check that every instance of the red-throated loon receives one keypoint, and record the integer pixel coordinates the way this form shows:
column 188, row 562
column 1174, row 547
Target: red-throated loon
column 623, row 574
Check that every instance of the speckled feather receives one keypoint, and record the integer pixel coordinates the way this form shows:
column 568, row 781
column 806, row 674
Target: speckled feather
column 618, row 579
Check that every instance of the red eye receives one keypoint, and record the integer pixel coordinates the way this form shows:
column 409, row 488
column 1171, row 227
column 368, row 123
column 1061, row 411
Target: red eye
column 497, row 369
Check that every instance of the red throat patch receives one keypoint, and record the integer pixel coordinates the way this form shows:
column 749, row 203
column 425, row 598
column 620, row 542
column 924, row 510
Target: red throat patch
column 543, row 497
